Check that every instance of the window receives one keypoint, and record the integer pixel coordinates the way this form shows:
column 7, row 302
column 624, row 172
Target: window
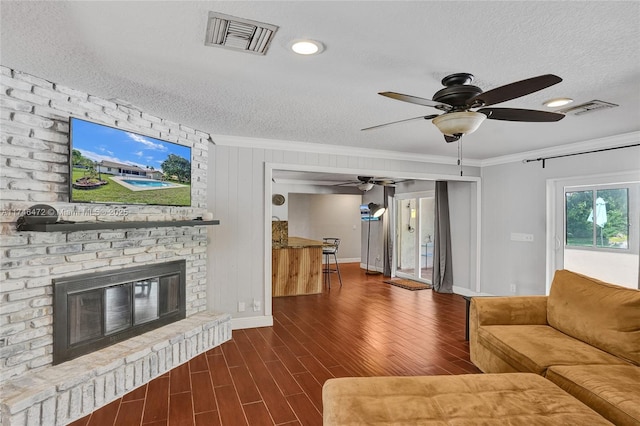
column 597, row 218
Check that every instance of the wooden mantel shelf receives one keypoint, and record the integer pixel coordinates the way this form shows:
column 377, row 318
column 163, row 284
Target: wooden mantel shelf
column 88, row 226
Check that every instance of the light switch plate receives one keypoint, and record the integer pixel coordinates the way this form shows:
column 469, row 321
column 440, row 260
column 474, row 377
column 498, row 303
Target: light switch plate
column 517, row 236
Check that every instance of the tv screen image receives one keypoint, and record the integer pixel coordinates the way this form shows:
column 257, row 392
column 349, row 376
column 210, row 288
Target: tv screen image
column 115, row 166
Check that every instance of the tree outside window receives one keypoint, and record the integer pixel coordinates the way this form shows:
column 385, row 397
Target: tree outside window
column 597, row 218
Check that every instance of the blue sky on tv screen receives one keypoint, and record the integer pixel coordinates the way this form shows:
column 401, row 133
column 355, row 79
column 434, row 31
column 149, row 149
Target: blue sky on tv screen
column 98, row 143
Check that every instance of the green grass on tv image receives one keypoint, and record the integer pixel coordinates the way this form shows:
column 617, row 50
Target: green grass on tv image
column 115, row 193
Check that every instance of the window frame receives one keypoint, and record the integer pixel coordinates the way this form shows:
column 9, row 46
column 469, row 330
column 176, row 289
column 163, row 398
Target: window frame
column 632, row 237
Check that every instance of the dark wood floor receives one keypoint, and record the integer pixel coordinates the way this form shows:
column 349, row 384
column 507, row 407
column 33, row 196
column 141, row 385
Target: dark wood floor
column 274, row 375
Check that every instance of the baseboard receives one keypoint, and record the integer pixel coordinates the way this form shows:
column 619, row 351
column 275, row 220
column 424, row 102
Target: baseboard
column 371, row 267
column 251, row 322
column 466, row 292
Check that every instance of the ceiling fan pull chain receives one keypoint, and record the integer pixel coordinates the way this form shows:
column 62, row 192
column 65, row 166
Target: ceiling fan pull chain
column 460, row 154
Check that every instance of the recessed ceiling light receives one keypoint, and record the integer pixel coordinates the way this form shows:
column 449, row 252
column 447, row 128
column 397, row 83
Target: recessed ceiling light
column 307, row 47
column 551, row 103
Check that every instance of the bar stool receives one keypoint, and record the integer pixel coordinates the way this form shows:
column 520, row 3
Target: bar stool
column 330, row 248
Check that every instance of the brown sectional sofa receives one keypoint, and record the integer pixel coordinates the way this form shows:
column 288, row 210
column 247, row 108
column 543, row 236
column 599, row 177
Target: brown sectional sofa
column 584, row 337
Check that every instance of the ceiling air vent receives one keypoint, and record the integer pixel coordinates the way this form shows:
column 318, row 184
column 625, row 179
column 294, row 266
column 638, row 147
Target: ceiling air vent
column 590, row 106
column 239, row 34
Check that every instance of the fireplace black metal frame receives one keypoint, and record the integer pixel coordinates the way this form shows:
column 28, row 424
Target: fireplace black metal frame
column 63, row 287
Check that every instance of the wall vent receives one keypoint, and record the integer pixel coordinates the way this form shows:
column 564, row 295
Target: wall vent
column 586, row 107
column 241, row 34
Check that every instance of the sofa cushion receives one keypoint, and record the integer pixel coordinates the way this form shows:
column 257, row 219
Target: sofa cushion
column 601, row 314
column 534, row 348
column 468, row 399
column 611, row 390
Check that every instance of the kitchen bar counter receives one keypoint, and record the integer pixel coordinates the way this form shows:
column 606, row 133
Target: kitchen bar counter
column 297, row 242
column 296, row 267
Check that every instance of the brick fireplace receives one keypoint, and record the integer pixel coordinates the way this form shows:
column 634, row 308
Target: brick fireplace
column 34, row 156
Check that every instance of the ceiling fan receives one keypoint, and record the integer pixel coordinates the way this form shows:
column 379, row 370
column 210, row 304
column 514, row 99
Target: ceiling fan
column 365, row 183
column 459, row 97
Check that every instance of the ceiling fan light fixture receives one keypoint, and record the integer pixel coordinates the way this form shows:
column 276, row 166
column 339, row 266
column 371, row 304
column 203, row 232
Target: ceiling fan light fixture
column 456, row 123
column 307, row 47
column 365, row 186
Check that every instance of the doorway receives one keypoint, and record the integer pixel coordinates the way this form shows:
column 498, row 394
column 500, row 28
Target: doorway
column 414, row 236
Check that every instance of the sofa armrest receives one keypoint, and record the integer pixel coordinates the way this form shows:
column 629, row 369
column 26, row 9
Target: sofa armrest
column 509, row 310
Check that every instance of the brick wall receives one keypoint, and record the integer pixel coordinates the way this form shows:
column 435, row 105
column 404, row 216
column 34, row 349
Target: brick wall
column 34, row 150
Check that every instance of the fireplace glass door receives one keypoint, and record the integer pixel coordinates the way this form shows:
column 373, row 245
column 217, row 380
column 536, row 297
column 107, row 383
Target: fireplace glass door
column 117, row 315
column 146, row 300
column 85, row 311
column 86, row 308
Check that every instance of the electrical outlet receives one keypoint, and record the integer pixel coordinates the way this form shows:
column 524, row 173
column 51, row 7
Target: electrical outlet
column 256, row 305
column 241, row 307
column 512, row 288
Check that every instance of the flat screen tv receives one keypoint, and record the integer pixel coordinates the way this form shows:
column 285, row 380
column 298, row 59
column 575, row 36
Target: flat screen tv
column 115, row 166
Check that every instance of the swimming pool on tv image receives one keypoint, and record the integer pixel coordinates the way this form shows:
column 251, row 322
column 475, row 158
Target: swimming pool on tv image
column 144, row 184
column 148, row 183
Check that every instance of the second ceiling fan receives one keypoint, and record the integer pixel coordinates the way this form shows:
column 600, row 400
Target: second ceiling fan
column 365, row 183
column 459, row 97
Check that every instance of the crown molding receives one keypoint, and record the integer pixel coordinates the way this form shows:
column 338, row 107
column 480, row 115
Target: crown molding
column 317, row 148
column 572, row 148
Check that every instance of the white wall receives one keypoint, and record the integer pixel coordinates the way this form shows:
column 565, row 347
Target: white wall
column 463, row 217
column 514, row 200
column 317, row 216
column 237, row 196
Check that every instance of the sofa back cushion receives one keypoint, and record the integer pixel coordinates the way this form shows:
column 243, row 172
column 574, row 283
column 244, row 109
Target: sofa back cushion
column 604, row 315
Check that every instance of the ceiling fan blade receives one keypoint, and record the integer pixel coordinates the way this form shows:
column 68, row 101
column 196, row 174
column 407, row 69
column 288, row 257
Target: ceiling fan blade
column 424, row 117
column 384, row 182
column 513, row 90
column 515, row 114
column 417, row 100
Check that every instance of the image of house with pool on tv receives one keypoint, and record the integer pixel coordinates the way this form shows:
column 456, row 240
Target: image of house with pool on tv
column 114, row 166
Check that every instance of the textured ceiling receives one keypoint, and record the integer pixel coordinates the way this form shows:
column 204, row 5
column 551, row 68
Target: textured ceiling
column 152, row 54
